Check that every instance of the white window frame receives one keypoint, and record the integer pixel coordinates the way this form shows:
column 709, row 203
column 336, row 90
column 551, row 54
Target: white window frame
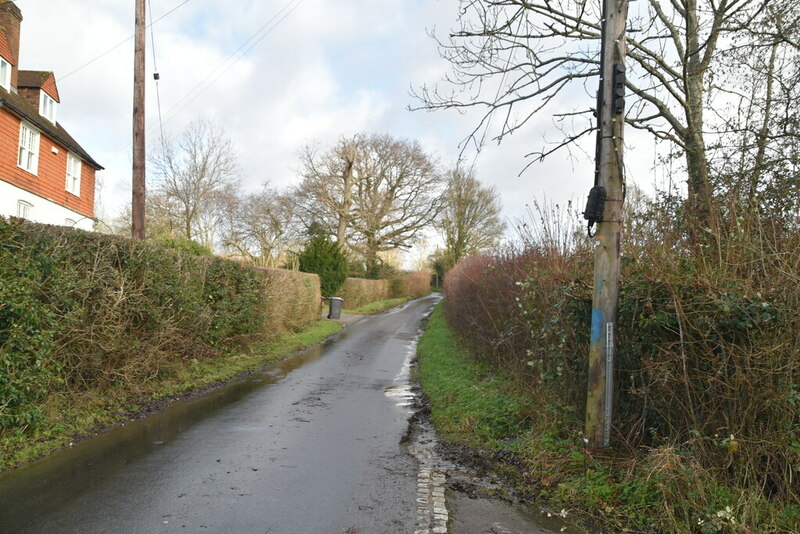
column 5, row 74
column 24, row 209
column 74, row 168
column 47, row 106
column 28, row 153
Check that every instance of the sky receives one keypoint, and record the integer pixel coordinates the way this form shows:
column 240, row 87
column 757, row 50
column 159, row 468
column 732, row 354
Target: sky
column 277, row 75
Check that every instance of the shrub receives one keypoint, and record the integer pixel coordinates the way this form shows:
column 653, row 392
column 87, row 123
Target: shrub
column 708, row 353
column 294, row 300
column 326, row 259
column 183, row 244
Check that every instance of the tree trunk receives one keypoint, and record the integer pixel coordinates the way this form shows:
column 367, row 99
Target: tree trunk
column 761, row 140
column 699, row 201
column 344, row 213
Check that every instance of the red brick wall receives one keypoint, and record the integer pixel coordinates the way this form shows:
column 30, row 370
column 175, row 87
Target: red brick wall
column 31, row 95
column 52, row 174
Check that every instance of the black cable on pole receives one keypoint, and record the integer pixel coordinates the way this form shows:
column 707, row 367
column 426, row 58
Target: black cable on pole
column 156, row 75
column 597, row 195
column 203, row 85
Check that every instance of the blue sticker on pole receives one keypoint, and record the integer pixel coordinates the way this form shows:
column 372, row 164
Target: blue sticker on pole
column 597, row 325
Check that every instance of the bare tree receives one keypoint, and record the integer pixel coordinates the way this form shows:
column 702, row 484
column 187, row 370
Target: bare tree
column 396, row 195
column 522, row 57
column 470, row 219
column 325, row 195
column 758, row 161
column 374, row 192
column 260, row 227
column 194, row 174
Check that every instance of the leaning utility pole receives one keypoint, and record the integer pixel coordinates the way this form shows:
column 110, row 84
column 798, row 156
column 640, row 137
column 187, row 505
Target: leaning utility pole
column 605, row 208
column 138, row 186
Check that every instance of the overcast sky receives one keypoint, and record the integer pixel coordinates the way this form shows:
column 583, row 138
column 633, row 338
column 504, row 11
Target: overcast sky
column 305, row 70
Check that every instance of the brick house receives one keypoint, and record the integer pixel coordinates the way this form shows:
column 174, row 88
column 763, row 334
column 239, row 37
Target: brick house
column 45, row 175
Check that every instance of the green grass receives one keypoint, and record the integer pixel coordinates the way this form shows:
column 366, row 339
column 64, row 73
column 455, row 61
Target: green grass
column 377, row 307
column 661, row 490
column 469, row 400
column 71, row 415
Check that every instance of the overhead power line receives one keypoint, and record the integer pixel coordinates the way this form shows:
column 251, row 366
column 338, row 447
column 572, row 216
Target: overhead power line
column 265, row 29
column 104, row 54
column 156, row 74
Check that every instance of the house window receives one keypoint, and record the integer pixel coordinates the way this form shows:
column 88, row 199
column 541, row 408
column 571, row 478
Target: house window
column 5, row 74
column 47, row 107
column 74, row 174
column 28, row 158
column 24, row 209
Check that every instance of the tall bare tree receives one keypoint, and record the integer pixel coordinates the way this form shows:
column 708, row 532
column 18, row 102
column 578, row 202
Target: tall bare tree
column 374, row 192
column 396, row 196
column 470, row 220
column 325, row 195
column 194, row 174
column 260, row 227
column 519, row 58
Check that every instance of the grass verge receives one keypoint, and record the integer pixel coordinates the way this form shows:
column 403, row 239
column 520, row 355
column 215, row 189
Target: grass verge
column 377, row 307
column 645, row 491
column 73, row 416
column 469, row 400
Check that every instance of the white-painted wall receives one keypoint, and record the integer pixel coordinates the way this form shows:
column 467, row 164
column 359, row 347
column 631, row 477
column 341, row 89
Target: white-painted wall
column 43, row 210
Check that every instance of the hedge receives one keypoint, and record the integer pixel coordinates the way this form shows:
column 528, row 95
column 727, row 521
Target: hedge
column 414, row 284
column 358, row 292
column 80, row 310
column 295, row 300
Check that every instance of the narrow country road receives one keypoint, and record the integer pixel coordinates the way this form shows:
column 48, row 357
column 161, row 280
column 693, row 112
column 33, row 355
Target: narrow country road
column 316, row 444
column 313, row 445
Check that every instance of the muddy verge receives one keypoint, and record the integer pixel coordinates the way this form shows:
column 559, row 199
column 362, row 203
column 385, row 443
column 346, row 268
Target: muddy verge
column 477, row 477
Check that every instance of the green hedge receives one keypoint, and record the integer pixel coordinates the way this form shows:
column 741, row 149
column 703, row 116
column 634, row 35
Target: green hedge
column 81, row 310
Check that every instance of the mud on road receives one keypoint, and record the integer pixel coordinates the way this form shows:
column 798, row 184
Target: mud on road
column 477, row 500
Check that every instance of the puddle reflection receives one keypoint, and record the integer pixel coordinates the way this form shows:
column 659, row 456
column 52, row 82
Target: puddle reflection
column 61, row 477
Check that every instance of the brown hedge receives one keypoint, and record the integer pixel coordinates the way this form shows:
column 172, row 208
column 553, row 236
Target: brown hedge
column 414, row 284
column 294, row 300
column 358, row 292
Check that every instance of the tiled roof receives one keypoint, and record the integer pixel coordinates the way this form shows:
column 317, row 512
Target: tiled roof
column 5, row 49
column 22, row 109
column 39, row 79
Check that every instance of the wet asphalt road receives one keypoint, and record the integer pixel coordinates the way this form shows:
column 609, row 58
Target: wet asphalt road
column 312, row 445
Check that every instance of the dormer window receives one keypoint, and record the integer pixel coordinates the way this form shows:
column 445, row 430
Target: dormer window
column 5, row 74
column 47, row 107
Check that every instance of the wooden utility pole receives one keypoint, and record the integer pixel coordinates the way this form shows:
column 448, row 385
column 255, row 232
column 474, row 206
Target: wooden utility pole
column 138, row 186
column 609, row 182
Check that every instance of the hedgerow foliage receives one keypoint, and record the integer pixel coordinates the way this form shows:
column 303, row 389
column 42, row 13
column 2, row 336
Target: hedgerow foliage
column 81, row 310
column 357, row 292
column 294, row 300
column 414, row 284
column 708, row 353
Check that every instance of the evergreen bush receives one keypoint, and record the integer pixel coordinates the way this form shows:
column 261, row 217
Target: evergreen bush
column 326, row 259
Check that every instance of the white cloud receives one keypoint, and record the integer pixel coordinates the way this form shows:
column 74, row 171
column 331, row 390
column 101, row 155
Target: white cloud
column 329, row 68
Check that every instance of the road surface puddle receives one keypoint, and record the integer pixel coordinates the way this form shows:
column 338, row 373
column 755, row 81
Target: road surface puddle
column 60, row 478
